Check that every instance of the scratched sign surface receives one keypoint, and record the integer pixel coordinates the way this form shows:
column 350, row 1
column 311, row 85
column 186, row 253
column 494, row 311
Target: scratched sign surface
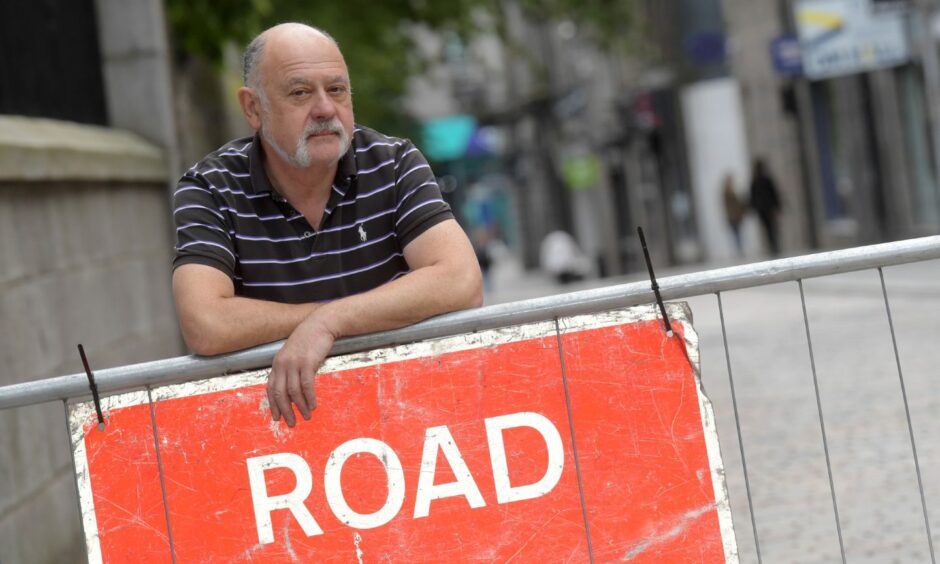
column 585, row 440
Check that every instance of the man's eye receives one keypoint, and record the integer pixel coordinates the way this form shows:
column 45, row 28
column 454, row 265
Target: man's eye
column 338, row 90
column 298, row 93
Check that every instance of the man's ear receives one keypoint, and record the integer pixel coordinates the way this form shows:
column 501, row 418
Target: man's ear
column 251, row 106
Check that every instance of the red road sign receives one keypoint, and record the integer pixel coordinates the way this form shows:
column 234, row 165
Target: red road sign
column 594, row 442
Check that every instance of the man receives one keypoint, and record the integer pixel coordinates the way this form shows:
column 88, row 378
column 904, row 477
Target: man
column 314, row 228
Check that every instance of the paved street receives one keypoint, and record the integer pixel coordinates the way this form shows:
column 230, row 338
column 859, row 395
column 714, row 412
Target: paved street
column 877, row 496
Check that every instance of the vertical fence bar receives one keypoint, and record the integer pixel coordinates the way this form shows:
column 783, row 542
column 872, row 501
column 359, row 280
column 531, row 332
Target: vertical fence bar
column 166, row 502
column 907, row 413
column 574, row 444
column 737, row 426
column 822, row 423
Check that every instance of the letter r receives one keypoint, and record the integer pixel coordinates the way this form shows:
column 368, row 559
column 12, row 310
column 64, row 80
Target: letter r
column 293, row 501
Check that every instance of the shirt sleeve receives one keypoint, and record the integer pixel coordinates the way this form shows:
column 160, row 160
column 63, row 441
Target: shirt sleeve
column 419, row 204
column 202, row 229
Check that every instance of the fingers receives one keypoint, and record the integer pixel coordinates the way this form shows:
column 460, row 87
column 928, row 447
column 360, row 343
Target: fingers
column 287, row 385
column 296, row 394
column 278, row 396
column 293, row 373
column 272, row 403
column 308, row 383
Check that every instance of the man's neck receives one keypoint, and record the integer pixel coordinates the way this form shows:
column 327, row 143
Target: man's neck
column 300, row 186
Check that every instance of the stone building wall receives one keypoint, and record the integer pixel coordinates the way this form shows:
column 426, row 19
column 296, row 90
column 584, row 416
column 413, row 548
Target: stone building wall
column 85, row 250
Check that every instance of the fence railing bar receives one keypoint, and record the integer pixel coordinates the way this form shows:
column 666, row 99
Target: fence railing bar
column 737, row 426
column 187, row 368
column 907, row 413
column 822, row 422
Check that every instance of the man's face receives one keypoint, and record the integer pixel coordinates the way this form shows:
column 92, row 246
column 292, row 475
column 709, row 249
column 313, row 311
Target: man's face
column 306, row 109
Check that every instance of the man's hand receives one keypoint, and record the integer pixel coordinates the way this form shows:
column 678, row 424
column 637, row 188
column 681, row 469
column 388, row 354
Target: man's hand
column 295, row 366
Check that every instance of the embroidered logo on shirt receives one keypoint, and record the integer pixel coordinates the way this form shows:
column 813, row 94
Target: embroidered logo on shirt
column 362, row 233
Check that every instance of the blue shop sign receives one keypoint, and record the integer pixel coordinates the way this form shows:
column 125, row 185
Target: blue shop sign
column 786, row 55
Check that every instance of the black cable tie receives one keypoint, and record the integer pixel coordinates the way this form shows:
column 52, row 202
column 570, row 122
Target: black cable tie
column 93, row 386
column 659, row 298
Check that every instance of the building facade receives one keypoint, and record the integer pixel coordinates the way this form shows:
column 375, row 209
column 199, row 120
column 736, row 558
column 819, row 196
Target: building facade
column 847, row 135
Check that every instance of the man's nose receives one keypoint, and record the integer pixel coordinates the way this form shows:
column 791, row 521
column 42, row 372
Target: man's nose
column 322, row 107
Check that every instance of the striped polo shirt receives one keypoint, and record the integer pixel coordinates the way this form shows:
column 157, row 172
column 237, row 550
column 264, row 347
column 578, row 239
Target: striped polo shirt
column 229, row 216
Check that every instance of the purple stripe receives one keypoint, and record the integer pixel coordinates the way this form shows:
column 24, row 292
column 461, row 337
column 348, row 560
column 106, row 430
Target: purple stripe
column 376, row 167
column 237, row 151
column 268, row 239
column 409, row 151
column 189, row 187
column 357, row 222
column 198, row 207
column 419, row 167
column 413, row 190
column 191, row 243
column 376, row 143
column 327, row 277
column 419, row 206
column 195, row 224
column 367, row 194
column 256, row 216
column 245, row 194
column 235, row 174
column 319, row 254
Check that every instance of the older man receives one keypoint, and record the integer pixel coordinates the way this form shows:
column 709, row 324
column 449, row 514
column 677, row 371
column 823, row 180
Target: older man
column 312, row 229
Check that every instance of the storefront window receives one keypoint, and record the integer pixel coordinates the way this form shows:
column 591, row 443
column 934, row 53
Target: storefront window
column 926, row 197
column 832, row 153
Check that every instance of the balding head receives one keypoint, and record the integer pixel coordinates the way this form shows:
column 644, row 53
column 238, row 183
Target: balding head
column 256, row 48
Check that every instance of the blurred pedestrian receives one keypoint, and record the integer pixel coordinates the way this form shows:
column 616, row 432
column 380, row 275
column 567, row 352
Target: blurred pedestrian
column 735, row 210
column 560, row 256
column 766, row 202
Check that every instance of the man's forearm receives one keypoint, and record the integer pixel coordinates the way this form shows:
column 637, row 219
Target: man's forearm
column 420, row 294
column 228, row 324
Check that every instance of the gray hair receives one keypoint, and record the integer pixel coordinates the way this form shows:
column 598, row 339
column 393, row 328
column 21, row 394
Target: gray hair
column 250, row 64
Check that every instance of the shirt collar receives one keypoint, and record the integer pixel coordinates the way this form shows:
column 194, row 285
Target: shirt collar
column 260, row 183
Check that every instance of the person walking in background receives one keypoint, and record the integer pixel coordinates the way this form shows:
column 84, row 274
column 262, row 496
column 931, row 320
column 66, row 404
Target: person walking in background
column 735, row 210
column 766, row 202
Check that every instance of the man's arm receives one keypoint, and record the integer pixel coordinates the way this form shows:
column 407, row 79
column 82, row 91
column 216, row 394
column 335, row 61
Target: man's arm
column 444, row 277
column 214, row 320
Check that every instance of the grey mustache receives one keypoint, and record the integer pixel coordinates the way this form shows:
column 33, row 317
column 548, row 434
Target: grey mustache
column 331, row 126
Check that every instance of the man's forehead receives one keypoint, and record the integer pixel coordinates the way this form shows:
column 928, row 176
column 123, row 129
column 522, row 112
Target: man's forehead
column 300, row 79
column 295, row 48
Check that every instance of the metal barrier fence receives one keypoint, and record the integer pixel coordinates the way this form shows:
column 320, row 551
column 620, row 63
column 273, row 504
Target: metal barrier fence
column 802, row 489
